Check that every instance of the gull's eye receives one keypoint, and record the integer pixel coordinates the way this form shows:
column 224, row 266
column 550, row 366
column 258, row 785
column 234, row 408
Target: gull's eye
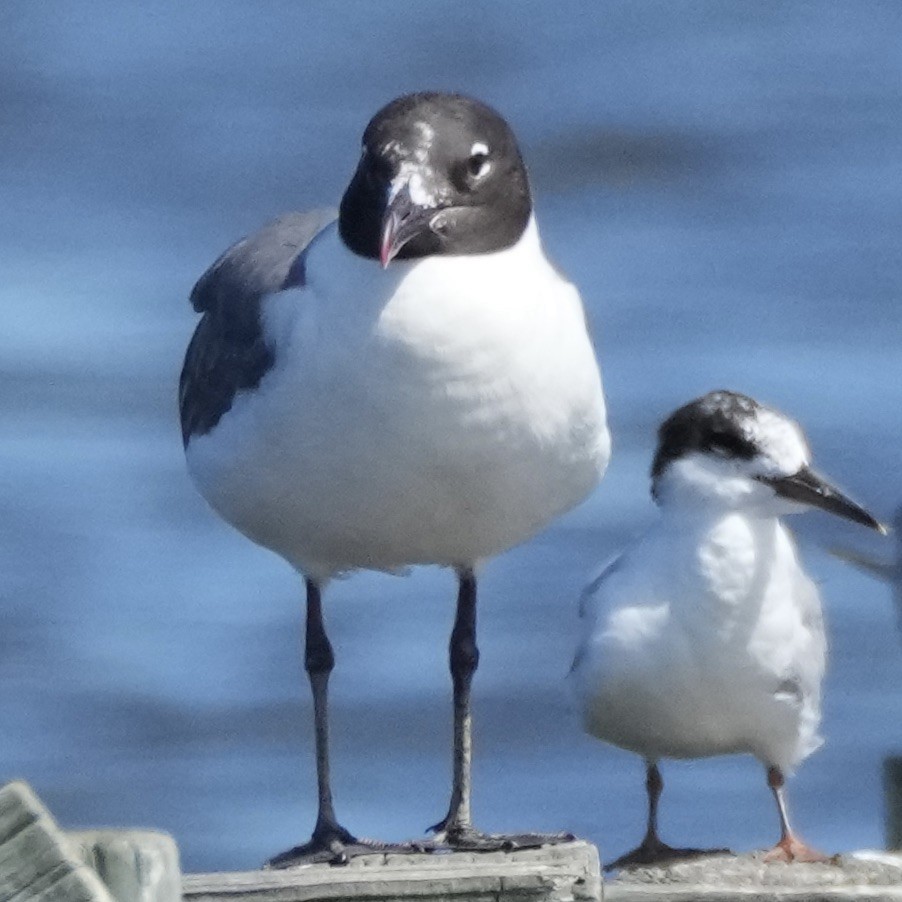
column 468, row 173
column 478, row 163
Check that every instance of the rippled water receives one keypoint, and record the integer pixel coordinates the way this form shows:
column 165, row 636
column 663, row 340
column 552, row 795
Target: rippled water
column 723, row 180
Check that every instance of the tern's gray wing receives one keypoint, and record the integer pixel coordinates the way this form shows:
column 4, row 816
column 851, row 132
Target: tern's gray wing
column 227, row 353
column 588, row 602
column 887, row 571
column 803, row 677
column 590, row 590
column 880, row 569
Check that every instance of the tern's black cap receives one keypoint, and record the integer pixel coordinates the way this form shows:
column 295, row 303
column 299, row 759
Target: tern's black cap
column 715, row 423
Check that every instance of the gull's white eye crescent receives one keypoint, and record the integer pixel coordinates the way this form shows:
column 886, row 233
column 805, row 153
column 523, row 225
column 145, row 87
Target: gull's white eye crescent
column 479, row 163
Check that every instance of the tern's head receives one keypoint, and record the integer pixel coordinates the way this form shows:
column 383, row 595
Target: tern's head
column 726, row 450
column 438, row 174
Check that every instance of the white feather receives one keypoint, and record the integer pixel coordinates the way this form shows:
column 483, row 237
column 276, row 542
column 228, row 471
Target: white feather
column 439, row 411
column 704, row 638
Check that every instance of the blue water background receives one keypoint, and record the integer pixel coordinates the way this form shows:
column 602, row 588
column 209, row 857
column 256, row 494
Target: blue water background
column 724, row 182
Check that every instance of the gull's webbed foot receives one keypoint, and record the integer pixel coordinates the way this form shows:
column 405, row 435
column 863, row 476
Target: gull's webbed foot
column 466, row 838
column 330, row 844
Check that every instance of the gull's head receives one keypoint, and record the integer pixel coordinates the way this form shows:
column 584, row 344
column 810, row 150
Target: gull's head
column 439, row 174
column 725, row 450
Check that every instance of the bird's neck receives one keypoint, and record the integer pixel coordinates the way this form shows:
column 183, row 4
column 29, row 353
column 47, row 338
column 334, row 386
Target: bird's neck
column 334, row 272
column 729, row 555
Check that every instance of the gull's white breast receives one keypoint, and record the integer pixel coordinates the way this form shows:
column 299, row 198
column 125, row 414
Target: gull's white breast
column 439, row 411
column 705, row 639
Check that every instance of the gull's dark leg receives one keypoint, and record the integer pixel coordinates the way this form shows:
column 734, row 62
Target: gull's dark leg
column 654, row 786
column 456, row 828
column 464, row 659
column 330, row 841
column 651, row 850
column 789, row 847
column 319, row 661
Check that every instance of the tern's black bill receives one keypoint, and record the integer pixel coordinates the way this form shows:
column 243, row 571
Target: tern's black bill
column 808, row 487
column 403, row 221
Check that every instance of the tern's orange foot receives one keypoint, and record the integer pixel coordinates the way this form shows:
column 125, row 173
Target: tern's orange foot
column 791, row 848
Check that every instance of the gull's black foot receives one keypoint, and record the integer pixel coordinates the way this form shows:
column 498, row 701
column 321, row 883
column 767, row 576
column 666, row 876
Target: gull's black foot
column 657, row 852
column 464, row 838
column 331, row 845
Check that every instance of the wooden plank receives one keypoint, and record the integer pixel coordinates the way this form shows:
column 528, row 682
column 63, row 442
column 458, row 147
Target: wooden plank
column 568, row 872
column 679, row 893
column 875, row 877
column 36, row 863
column 892, row 788
column 135, row 865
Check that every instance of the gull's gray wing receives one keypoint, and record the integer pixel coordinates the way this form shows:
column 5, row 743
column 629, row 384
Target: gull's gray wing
column 227, row 353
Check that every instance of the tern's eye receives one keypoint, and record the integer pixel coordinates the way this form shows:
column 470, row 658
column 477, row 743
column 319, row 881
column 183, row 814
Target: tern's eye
column 726, row 444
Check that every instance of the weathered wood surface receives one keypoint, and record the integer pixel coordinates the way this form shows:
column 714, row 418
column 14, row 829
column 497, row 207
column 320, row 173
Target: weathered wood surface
column 135, row 865
column 747, row 878
column 568, row 872
column 892, row 788
column 36, row 861
column 751, row 894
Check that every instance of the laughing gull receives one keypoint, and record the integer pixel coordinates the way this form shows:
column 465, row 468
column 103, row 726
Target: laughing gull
column 706, row 637
column 411, row 384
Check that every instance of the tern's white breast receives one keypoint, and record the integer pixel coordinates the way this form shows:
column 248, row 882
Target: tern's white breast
column 705, row 639
column 436, row 412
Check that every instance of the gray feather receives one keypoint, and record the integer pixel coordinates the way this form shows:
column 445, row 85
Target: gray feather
column 884, row 570
column 227, row 353
column 258, row 264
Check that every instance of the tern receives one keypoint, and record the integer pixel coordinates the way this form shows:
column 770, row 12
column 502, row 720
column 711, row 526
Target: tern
column 706, row 636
